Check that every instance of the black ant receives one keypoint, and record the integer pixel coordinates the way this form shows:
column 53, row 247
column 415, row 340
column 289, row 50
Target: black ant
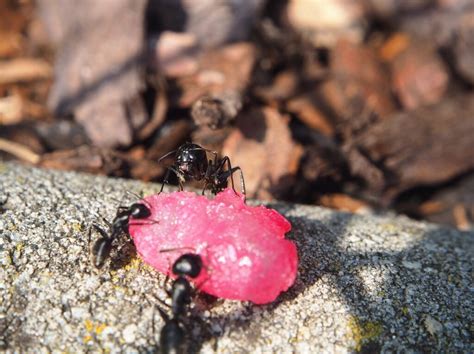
column 102, row 247
column 187, row 265
column 191, row 162
column 172, row 335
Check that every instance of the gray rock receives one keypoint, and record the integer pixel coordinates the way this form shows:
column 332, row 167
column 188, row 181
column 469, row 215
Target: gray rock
column 376, row 283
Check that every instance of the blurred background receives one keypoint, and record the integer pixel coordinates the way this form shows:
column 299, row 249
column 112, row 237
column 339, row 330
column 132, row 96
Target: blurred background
column 364, row 106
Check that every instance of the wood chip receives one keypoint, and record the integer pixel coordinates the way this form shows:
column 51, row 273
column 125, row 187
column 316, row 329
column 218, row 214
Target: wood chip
column 11, row 109
column 461, row 218
column 345, row 203
column 24, row 69
column 309, row 113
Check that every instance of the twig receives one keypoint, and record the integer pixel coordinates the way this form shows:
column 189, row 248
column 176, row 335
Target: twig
column 19, row 151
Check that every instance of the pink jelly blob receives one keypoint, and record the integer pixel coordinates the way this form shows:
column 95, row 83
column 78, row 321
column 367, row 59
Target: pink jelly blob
column 244, row 250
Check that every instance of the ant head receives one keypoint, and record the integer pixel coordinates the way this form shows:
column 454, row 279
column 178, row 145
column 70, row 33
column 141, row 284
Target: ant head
column 189, row 264
column 139, row 211
column 189, row 155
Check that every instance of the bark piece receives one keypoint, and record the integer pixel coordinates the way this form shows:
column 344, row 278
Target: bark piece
column 464, row 48
column 358, row 91
column 216, row 111
column 419, row 75
column 323, row 160
column 169, row 137
column 309, row 113
column 423, row 147
column 284, row 85
column 86, row 159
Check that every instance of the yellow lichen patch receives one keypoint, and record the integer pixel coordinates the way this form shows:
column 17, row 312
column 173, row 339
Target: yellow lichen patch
column 363, row 332
column 134, row 264
column 89, row 325
column 93, row 328
column 405, row 310
column 77, row 227
column 19, row 248
column 389, row 227
column 100, row 328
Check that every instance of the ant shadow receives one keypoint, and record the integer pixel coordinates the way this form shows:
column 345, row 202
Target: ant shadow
column 324, row 252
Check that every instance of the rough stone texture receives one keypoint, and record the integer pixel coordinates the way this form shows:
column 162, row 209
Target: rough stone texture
column 365, row 282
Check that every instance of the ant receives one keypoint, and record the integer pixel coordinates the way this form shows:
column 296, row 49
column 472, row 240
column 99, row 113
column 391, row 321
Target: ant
column 102, row 247
column 172, row 335
column 173, row 332
column 191, row 162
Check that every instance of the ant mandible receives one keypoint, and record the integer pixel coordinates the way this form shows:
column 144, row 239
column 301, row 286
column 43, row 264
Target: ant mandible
column 191, row 162
column 102, row 247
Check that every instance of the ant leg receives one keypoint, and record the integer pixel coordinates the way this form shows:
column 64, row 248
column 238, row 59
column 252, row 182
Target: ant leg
column 109, row 225
column 204, row 189
column 225, row 160
column 230, row 171
column 135, row 195
column 165, row 180
column 99, row 230
column 163, row 314
column 167, row 176
column 242, row 181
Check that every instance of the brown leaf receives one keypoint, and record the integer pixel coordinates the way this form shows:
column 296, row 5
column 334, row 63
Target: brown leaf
column 419, row 75
column 308, row 112
column 262, row 146
column 358, row 91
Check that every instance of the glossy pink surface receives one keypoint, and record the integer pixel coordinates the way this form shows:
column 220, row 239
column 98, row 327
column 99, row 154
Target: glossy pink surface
column 244, row 250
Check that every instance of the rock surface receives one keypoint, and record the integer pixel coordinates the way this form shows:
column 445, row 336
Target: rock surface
column 365, row 283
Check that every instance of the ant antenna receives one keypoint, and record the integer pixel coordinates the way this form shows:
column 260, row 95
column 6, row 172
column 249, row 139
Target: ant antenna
column 166, row 155
column 164, row 250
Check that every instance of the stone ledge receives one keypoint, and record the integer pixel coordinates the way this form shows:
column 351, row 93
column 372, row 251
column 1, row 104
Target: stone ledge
column 365, row 282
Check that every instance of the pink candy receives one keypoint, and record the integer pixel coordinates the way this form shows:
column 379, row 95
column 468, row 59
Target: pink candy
column 243, row 248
